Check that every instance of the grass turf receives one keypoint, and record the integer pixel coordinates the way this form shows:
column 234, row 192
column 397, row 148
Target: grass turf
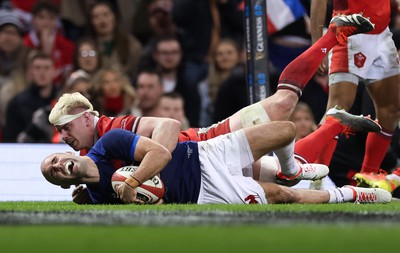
column 282, row 237
column 393, row 207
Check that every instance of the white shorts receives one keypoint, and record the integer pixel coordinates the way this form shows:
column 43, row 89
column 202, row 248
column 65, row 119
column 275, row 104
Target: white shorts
column 221, row 162
column 366, row 57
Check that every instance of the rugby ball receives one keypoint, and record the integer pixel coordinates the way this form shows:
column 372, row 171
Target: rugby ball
column 150, row 191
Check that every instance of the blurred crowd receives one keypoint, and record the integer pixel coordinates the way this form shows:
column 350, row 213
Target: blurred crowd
column 182, row 59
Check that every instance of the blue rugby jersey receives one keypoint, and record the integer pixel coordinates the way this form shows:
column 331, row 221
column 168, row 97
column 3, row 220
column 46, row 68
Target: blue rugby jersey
column 181, row 176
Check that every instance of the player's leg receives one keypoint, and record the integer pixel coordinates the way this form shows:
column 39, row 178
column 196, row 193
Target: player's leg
column 264, row 138
column 337, row 122
column 297, row 74
column 386, row 97
column 277, row 194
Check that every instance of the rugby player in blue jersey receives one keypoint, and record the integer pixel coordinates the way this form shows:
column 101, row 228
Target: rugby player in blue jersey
column 197, row 172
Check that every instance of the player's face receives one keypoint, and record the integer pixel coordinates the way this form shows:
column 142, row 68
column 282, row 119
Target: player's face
column 63, row 169
column 77, row 133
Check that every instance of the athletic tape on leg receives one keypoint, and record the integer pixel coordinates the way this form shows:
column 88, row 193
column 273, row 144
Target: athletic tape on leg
column 253, row 114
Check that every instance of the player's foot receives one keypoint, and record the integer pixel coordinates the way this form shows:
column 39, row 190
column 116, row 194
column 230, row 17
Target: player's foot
column 347, row 25
column 352, row 122
column 370, row 195
column 376, row 181
column 308, row 171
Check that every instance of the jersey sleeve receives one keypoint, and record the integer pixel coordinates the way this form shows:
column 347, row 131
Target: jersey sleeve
column 128, row 122
column 117, row 144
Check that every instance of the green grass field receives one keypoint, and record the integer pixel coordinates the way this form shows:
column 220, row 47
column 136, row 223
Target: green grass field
column 324, row 228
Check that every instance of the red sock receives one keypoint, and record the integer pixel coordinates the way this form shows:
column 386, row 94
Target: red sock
column 325, row 156
column 311, row 146
column 301, row 69
column 375, row 150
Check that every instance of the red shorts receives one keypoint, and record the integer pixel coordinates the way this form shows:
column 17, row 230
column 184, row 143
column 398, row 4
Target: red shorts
column 202, row 134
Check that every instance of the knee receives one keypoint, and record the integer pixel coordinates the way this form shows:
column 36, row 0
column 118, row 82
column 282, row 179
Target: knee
column 282, row 104
column 389, row 115
column 289, row 131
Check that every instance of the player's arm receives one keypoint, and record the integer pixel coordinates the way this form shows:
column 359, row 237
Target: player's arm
column 317, row 16
column 164, row 131
column 317, row 20
column 154, row 157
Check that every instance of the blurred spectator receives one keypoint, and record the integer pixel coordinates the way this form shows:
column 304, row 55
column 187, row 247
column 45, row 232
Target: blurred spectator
column 23, row 9
column 116, row 46
column 232, row 94
column 13, row 55
column 303, row 118
column 87, row 57
column 46, row 38
column 40, row 130
column 225, row 59
column 113, row 95
column 172, row 106
column 73, row 14
column 203, row 23
column 160, row 18
column 78, row 81
column 149, row 90
column 40, row 93
column 167, row 58
column 12, row 51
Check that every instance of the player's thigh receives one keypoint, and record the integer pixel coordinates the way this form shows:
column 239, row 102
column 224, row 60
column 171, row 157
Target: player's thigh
column 386, row 92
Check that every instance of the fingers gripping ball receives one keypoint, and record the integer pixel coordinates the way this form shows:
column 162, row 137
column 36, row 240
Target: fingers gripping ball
column 150, row 191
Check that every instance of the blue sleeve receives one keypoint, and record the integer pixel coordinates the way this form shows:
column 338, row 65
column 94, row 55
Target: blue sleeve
column 117, row 144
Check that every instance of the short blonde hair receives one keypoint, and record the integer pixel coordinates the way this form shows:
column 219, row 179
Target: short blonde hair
column 66, row 103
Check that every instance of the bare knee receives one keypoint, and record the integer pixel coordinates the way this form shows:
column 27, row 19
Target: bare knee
column 281, row 104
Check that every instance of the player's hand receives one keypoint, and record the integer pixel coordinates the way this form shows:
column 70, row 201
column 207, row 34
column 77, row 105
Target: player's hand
column 128, row 194
column 80, row 195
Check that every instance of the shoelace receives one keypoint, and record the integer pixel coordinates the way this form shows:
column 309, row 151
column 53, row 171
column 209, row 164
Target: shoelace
column 308, row 168
column 366, row 197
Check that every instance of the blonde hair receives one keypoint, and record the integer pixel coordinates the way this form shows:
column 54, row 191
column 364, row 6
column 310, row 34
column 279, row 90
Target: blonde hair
column 66, row 103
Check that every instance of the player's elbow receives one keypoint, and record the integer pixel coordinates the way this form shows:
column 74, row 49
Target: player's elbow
column 172, row 124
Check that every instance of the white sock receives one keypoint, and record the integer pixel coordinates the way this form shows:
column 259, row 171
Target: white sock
column 340, row 195
column 286, row 159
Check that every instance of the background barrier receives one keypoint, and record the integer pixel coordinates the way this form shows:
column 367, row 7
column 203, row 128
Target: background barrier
column 20, row 176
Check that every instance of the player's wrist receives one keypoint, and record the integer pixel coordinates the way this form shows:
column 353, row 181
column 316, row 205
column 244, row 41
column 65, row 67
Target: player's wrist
column 132, row 182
